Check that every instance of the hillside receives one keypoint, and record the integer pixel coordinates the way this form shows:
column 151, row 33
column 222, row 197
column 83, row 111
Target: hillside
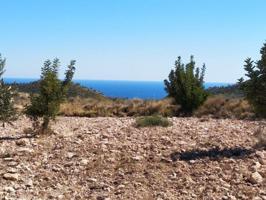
column 224, row 102
column 75, row 90
column 230, row 91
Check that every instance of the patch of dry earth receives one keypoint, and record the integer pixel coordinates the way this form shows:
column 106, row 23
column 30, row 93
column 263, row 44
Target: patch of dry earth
column 108, row 158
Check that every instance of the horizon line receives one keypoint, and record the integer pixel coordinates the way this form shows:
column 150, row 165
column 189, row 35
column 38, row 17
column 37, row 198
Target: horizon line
column 118, row 80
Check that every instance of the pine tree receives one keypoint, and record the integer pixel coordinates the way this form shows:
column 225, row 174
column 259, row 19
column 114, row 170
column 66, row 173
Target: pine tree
column 185, row 85
column 7, row 110
column 52, row 93
column 254, row 87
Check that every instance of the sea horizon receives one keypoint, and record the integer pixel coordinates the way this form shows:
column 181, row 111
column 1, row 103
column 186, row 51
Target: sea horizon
column 128, row 89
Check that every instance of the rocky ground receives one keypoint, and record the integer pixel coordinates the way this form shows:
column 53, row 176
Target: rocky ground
column 108, row 158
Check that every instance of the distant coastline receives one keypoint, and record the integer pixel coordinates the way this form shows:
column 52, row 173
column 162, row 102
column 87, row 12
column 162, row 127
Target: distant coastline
column 122, row 89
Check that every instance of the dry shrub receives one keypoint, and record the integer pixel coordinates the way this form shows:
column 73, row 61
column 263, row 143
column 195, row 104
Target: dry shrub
column 85, row 107
column 260, row 137
column 72, row 106
column 21, row 100
column 221, row 107
column 118, row 107
column 151, row 107
column 215, row 106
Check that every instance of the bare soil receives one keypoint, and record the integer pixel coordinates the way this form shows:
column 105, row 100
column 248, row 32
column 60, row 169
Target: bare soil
column 108, row 158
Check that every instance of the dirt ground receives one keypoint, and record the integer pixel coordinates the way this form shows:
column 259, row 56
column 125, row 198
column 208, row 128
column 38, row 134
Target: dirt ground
column 110, row 159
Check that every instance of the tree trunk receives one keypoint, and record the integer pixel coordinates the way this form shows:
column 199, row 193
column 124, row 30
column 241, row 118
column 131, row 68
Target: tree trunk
column 45, row 124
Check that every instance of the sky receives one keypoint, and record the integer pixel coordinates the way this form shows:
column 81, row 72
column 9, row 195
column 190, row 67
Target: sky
column 131, row 39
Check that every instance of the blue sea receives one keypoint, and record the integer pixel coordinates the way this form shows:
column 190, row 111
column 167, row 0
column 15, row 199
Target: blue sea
column 122, row 89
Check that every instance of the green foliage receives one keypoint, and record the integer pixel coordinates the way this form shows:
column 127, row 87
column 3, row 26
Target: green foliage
column 255, row 86
column 155, row 120
column 185, row 85
column 7, row 111
column 52, row 93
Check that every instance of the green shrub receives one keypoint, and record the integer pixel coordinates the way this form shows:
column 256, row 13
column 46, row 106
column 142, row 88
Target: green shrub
column 185, row 85
column 255, row 86
column 152, row 121
column 52, row 92
column 7, row 110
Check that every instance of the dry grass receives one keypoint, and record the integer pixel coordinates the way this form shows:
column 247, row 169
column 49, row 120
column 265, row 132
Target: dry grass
column 118, row 107
column 215, row 106
column 260, row 136
column 21, row 100
column 92, row 107
column 221, row 107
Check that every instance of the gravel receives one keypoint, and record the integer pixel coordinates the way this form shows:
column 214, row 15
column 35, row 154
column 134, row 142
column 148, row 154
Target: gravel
column 108, row 158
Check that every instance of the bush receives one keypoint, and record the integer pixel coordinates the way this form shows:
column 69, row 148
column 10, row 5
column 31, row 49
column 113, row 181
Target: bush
column 222, row 107
column 7, row 94
column 91, row 107
column 46, row 103
column 156, row 120
column 185, row 85
column 255, row 86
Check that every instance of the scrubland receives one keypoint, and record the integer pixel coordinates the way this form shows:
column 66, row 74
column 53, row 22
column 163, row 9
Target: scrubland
column 216, row 106
column 104, row 149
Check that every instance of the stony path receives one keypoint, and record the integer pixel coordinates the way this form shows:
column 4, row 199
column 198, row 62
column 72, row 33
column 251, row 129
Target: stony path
column 108, row 158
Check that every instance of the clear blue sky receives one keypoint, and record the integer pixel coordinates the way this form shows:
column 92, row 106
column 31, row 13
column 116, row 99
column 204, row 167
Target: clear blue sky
column 131, row 39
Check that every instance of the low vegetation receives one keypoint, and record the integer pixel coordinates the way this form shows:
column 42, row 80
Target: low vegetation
column 88, row 107
column 222, row 107
column 216, row 106
column 155, row 120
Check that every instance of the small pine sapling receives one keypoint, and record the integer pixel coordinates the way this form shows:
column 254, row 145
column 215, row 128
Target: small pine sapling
column 8, row 112
column 52, row 92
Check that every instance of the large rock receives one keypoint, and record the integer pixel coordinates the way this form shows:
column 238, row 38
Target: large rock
column 256, row 166
column 256, row 178
column 9, row 176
